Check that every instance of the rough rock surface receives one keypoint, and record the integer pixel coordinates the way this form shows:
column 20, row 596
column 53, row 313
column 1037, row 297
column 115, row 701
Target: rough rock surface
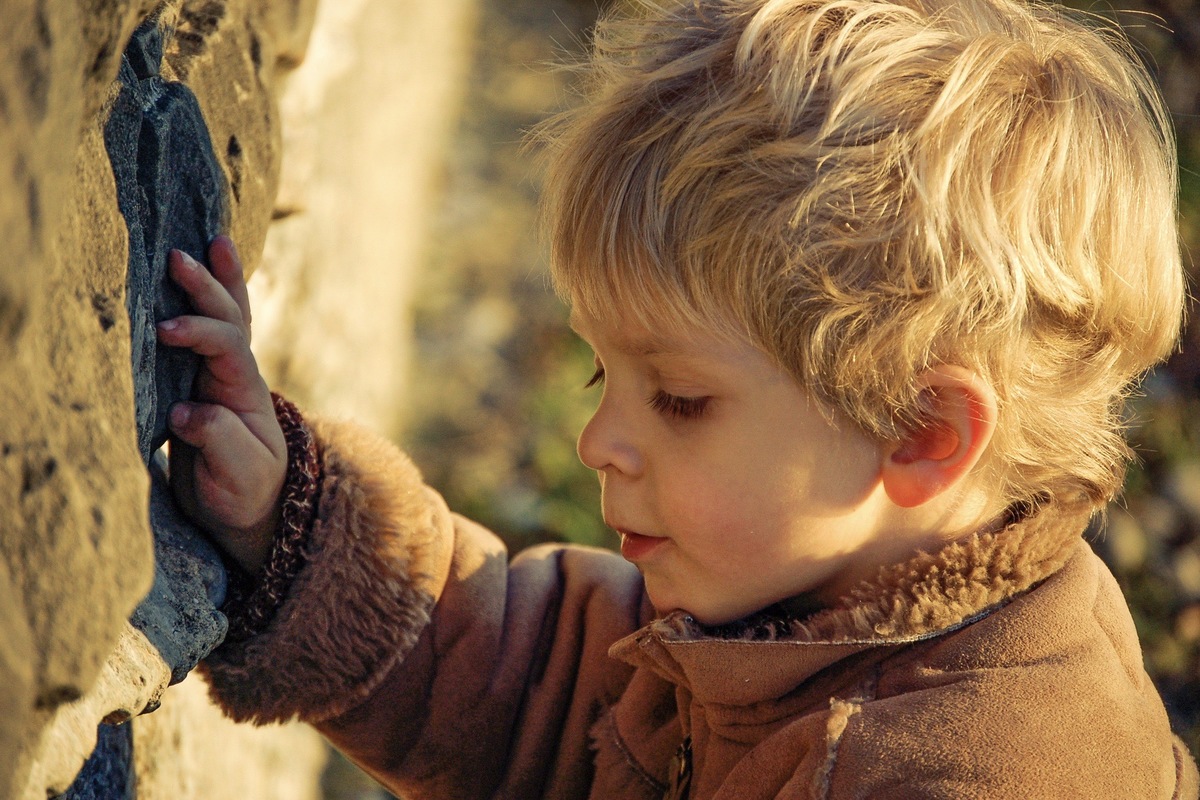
column 132, row 679
column 75, row 537
column 16, row 674
column 108, row 774
column 75, row 543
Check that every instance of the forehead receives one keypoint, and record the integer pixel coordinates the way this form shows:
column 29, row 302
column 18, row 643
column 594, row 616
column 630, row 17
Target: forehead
column 630, row 337
column 697, row 345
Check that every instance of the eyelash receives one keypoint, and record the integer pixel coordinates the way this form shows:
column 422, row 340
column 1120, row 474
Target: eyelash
column 670, row 405
column 678, row 407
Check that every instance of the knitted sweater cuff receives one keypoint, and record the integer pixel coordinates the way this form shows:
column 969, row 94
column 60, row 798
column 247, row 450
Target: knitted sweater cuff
column 253, row 600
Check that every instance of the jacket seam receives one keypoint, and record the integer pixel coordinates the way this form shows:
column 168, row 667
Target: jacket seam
column 638, row 769
column 840, row 714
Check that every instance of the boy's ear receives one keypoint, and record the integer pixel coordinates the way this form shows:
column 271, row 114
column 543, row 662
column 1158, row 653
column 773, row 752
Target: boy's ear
column 959, row 422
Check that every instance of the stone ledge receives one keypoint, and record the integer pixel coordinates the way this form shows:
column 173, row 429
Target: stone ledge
column 131, row 682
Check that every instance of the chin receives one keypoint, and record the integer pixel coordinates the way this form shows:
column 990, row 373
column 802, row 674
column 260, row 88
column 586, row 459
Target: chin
column 703, row 616
column 710, row 619
column 667, row 602
column 664, row 606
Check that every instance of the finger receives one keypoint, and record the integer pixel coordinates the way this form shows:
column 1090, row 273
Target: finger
column 235, row 480
column 227, row 269
column 208, row 296
column 223, row 441
column 222, row 344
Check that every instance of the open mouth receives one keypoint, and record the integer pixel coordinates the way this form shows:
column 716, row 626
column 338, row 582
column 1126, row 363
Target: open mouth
column 635, row 546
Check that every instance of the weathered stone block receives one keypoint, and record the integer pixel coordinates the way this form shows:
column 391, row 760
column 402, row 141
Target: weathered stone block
column 171, row 192
column 133, row 678
column 16, row 674
column 231, row 54
column 75, row 541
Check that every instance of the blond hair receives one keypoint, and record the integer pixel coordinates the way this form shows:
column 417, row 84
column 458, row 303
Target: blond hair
column 864, row 189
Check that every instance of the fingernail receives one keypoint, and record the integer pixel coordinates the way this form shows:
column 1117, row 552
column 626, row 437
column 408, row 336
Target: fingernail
column 188, row 261
column 168, row 325
column 179, row 415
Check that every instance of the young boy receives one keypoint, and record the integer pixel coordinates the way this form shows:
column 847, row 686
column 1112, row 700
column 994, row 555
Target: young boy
column 866, row 283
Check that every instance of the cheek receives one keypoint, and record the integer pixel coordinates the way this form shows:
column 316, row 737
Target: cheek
column 755, row 518
column 713, row 514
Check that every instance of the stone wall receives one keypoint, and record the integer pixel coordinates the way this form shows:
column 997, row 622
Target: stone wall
column 82, row 388
column 73, row 504
column 366, row 123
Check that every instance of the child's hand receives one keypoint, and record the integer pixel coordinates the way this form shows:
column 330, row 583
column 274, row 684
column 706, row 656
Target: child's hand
column 228, row 454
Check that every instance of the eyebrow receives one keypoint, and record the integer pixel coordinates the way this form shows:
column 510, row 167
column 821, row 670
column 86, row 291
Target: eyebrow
column 654, row 344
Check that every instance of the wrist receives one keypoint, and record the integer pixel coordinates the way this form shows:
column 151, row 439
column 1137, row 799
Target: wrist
column 250, row 548
column 277, row 551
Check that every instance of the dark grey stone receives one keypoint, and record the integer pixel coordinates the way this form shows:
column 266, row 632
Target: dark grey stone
column 171, row 191
column 121, row 134
column 180, row 615
column 145, row 49
column 108, row 772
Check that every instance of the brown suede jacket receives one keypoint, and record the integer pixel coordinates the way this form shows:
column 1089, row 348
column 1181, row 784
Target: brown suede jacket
column 1005, row 666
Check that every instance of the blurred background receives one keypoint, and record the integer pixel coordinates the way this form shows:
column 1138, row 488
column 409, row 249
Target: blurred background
column 493, row 395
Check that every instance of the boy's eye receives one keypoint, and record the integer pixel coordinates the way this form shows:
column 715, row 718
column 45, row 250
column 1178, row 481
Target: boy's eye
column 598, row 377
column 678, row 407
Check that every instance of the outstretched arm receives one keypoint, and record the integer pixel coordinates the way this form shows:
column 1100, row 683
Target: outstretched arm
column 419, row 650
column 407, row 636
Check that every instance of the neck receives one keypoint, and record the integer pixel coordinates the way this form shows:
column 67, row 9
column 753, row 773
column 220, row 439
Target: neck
column 907, row 532
column 933, row 590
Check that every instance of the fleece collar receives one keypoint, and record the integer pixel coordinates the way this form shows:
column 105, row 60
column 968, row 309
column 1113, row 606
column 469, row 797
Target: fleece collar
column 927, row 596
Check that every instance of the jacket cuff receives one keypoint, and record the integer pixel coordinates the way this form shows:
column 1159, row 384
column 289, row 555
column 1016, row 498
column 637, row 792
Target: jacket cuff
column 377, row 558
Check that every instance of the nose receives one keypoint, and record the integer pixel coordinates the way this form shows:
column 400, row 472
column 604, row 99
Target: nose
column 606, row 443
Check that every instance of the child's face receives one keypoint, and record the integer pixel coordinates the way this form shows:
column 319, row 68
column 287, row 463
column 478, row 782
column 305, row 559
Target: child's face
column 730, row 489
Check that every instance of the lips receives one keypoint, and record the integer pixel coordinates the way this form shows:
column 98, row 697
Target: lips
column 635, row 546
